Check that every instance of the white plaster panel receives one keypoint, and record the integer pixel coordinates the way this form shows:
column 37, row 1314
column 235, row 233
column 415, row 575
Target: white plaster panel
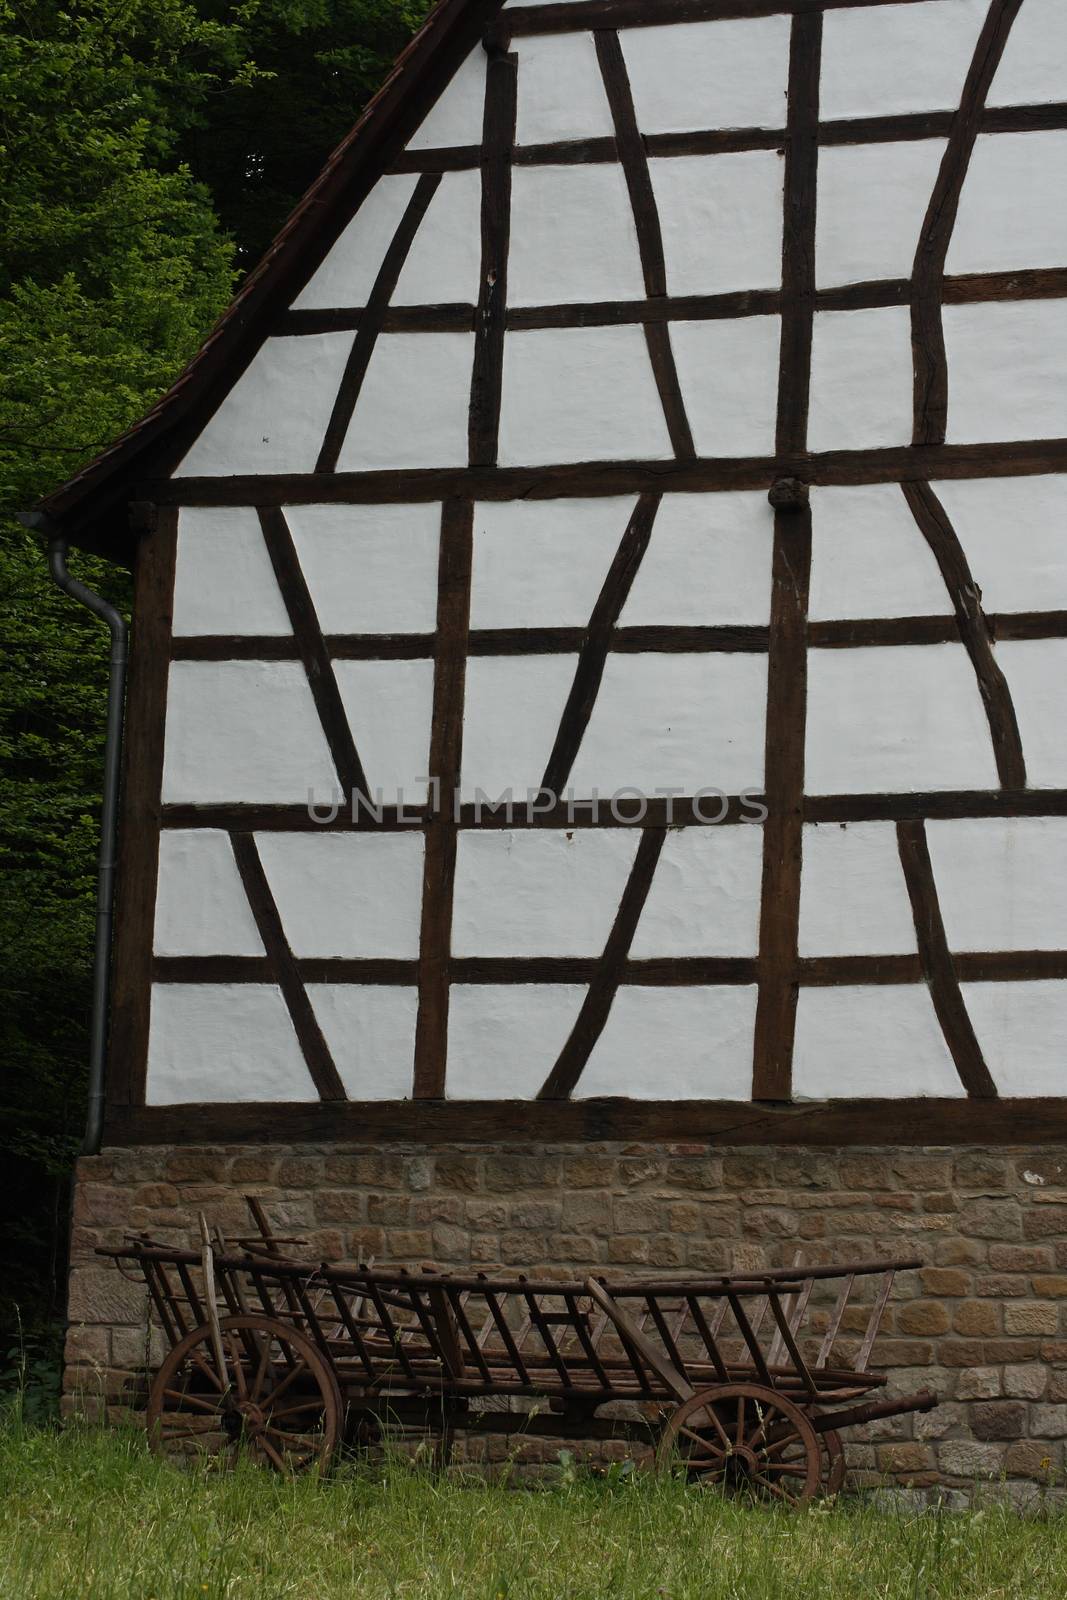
column 897, row 719
column 370, row 569
column 1002, row 881
column 868, row 557
column 721, row 219
column 572, row 236
column 877, row 1042
column 580, row 394
column 708, row 562
column 542, row 563
column 1005, row 370
column 1033, row 67
column 370, row 1032
column 353, row 895
column 223, row 579
column 1013, row 208
column 728, row 372
column 413, row 407
column 223, row 1042
column 853, row 897
column 881, row 59
column 1021, row 1028
column 696, row 721
column 872, row 201
column 1036, row 670
column 561, row 91
column 542, row 892
column 861, row 379
column 705, row 896
column 1014, row 534
column 503, row 1039
column 346, row 276
column 389, row 705
column 513, row 709
column 274, row 418
column 243, row 731
column 675, row 1044
column 201, row 905
column 728, row 74
column 456, row 117
column 445, row 259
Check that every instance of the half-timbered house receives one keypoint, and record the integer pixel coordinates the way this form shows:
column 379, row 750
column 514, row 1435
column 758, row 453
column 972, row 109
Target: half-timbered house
column 598, row 659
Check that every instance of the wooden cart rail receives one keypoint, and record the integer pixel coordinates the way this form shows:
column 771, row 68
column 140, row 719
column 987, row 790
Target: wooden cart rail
column 395, row 1341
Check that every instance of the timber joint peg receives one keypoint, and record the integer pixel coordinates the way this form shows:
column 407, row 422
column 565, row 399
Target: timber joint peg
column 788, row 494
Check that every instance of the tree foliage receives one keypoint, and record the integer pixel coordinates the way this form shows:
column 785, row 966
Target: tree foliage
column 148, row 151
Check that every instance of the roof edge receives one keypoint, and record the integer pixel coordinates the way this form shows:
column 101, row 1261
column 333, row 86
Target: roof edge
column 90, row 508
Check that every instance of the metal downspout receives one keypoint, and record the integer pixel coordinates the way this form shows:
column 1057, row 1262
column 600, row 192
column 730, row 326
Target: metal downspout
column 106, row 860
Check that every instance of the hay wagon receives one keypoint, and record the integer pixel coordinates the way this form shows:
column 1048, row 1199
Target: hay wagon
column 722, row 1376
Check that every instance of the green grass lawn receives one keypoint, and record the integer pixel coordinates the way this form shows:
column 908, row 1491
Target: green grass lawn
column 89, row 1515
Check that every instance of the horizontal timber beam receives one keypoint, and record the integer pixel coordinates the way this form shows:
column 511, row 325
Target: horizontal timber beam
column 714, row 1122
column 667, row 972
column 894, row 464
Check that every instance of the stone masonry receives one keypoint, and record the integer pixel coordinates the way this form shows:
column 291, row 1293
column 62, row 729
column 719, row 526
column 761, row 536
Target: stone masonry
column 984, row 1323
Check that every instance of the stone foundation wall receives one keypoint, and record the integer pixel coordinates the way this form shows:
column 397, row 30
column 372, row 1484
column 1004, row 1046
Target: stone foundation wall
column 984, row 1323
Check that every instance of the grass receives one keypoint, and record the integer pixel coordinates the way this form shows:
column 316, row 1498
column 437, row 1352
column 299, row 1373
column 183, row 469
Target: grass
column 88, row 1514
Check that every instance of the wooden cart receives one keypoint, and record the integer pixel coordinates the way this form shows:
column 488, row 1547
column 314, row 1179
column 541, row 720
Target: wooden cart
column 731, row 1379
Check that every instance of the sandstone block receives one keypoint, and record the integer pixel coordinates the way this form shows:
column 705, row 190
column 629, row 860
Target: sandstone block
column 1026, row 1380
column 923, row 1317
column 1031, row 1316
column 998, row 1419
column 978, row 1383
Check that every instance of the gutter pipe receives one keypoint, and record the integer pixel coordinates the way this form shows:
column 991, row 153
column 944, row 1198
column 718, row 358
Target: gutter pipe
column 58, row 548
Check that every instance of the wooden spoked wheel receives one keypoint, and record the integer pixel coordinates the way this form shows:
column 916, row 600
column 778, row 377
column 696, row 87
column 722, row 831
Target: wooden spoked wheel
column 275, row 1399
column 834, row 1464
column 744, row 1439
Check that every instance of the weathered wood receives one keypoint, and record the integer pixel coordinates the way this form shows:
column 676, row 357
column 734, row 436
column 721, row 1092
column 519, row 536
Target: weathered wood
column 498, row 138
column 937, row 964
column 597, row 643
column 313, row 653
column 316, row 1051
column 446, row 755
column 568, row 1069
column 370, row 321
column 139, row 820
column 927, row 333
column 936, row 528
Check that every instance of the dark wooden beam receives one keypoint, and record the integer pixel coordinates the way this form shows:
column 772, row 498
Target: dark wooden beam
column 498, row 138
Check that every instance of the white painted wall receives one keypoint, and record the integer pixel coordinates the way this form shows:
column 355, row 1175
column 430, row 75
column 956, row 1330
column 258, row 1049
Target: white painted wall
column 223, row 578
column 223, row 1042
column 872, row 199
column 708, row 563
column 579, row 394
column 243, row 731
column 734, row 414
column 369, row 569
column 705, row 896
column 1005, row 365
column 696, row 721
column 729, row 74
column 868, row 557
column 370, row 1032
column 861, row 379
column 201, row 905
column 539, row 893
column 572, row 237
column 674, row 1044
column 1012, row 211
column 412, row 407
column 511, row 713
column 1014, row 534
column 882, row 59
column 445, row 259
column 352, row 895
column 561, row 91
column 876, row 1042
column 1034, row 64
column 721, row 220
column 389, row 705
column 503, row 1039
column 1036, row 670
column 274, row 418
column 1002, row 881
column 456, row 117
column 1021, row 1028
column 899, row 719
column 347, row 273
column 853, row 898
column 542, row 563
